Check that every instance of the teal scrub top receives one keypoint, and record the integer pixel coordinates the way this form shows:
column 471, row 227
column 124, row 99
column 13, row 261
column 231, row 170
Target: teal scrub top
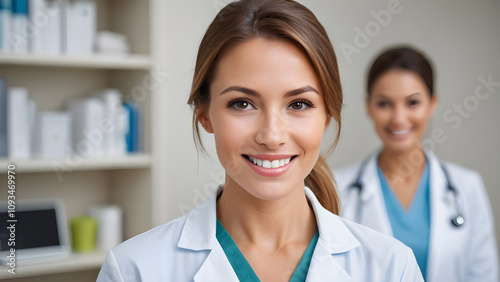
column 243, row 269
column 412, row 226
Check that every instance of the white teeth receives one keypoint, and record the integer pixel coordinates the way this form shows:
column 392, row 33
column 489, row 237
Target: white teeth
column 270, row 164
column 401, row 131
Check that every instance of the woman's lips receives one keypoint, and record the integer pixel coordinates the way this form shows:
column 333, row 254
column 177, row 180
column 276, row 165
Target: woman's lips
column 270, row 165
column 399, row 135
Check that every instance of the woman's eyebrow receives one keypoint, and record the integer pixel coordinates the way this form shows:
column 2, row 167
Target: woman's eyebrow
column 241, row 89
column 413, row 95
column 301, row 90
column 251, row 92
column 407, row 97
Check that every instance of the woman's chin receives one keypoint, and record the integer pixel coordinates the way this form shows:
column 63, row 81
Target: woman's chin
column 401, row 147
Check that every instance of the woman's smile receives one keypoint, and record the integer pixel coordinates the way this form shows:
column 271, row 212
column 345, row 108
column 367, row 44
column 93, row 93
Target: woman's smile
column 270, row 165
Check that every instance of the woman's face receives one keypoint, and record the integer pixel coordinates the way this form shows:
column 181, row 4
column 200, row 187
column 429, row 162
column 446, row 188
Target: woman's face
column 268, row 116
column 400, row 106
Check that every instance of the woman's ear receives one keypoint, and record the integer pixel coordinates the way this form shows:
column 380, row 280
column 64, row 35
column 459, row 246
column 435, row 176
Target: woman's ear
column 202, row 115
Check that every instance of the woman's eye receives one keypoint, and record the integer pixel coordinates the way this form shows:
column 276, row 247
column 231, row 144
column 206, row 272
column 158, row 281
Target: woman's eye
column 300, row 105
column 382, row 104
column 413, row 103
column 241, row 105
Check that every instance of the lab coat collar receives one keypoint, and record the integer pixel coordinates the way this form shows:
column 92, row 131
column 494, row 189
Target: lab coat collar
column 371, row 188
column 199, row 228
column 199, row 234
column 372, row 198
column 332, row 231
column 441, row 205
column 334, row 239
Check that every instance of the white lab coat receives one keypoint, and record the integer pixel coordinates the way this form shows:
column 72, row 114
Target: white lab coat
column 187, row 249
column 464, row 254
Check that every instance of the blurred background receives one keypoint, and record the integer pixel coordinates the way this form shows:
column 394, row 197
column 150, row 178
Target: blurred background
column 146, row 54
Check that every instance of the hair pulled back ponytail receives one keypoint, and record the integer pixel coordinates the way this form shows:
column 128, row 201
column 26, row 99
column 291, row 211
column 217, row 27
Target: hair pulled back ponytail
column 320, row 181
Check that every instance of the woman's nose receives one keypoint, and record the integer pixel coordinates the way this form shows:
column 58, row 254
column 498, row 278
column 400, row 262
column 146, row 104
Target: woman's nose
column 399, row 115
column 272, row 131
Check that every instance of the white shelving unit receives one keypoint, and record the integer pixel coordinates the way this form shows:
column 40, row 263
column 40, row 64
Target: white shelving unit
column 132, row 62
column 128, row 181
column 134, row 161
column 73, row 263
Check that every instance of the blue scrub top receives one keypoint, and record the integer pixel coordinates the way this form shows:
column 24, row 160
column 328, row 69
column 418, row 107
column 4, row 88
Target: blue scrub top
column 412, row 226
column 243, row 269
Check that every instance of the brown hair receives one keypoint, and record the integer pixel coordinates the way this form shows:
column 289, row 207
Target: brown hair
column 244, row 20
column 402, row 58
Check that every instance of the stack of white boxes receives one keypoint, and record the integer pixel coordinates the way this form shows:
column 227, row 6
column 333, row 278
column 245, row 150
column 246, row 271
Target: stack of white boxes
column 48, row 27
column 93, row 127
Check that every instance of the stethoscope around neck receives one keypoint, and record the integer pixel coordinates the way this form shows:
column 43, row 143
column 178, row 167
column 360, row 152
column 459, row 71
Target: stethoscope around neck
column 457, row 220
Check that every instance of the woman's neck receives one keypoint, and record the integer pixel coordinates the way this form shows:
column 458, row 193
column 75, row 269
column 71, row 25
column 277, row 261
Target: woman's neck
column 270, row 224
column 402, row 166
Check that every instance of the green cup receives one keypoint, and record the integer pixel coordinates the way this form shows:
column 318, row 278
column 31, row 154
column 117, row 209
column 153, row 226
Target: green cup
column 83, row 230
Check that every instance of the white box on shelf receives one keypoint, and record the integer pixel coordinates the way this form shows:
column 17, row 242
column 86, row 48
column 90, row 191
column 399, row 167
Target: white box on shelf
column 116, row 118
column 18, row 128
column 88, row 128
column 80, row 27
column 46, row 22
column 52, row 135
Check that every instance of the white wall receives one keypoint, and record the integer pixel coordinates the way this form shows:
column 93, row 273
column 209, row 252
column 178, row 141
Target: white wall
column 460, row 36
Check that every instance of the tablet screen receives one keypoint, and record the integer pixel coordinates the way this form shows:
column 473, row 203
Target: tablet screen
column 34, row 229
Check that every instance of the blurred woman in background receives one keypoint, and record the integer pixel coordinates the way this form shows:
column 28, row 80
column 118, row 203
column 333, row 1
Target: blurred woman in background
column 438, row 209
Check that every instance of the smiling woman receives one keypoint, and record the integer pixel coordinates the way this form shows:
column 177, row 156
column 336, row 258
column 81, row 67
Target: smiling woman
column 407, row 192
column 266, row 85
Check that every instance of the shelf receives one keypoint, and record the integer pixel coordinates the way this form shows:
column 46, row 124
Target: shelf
column 130, row 62
column 133, row 161
column 75, row 262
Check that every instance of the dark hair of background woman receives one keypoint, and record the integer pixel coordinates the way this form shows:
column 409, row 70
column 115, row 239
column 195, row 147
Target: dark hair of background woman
column 402, row 58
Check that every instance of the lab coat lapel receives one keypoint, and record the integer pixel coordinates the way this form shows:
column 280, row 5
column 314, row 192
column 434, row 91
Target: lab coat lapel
column 373, row 211
column 441, row 204
column 334, row 238
column 198, row 234
column 216, row 267
column 323, row 266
